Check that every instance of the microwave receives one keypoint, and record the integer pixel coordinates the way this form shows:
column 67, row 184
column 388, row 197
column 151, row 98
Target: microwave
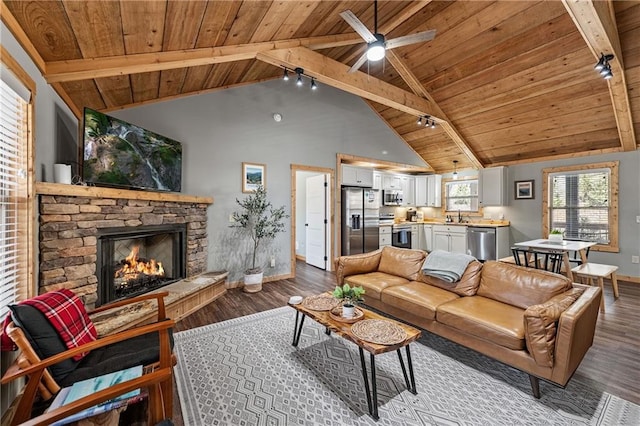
column 392, row 197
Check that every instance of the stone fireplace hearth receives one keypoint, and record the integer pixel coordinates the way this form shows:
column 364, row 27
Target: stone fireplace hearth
column 72, row 218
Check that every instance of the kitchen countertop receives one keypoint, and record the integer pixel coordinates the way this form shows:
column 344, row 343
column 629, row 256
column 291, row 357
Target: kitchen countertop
column 478, row 224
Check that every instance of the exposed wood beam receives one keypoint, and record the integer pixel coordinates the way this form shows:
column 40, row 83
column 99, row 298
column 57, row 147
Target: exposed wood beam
column 335, row 74
column 417, row 88
column 401, row 17
column 83, row 69
column 597, row 23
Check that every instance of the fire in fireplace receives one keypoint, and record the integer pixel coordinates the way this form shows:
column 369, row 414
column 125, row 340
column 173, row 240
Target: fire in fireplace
column 132, row 261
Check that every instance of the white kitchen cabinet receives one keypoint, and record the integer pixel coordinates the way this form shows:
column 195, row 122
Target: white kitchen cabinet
column 415, row 237
column 377, row 180
column 384, row 236
column 408, row 186
column 421, row 191
column 434, row 191
column 427, row 232
column 390, row 181
column 492, row 186
column 450, row 238
column 357, row 176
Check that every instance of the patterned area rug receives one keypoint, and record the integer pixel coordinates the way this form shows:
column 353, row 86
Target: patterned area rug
column 245, row 372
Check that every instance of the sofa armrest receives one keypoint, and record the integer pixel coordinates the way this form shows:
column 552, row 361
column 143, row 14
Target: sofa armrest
column 576, row 329
column 540, row 325
column 356, row 264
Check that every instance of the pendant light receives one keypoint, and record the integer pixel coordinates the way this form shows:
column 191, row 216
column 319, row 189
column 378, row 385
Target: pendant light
column 455, row 169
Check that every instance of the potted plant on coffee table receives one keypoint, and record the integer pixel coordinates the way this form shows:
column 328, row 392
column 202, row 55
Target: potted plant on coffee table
column 555, row 235
column 261, row 222
column 350, row 296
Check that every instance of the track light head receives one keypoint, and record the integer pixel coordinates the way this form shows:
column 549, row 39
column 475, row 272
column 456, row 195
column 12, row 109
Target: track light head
column 419, row 122
column 606, row 72
column 433, row 124
column 299, row 71
column 603, row 66
column 314, row 86
column 285, row 76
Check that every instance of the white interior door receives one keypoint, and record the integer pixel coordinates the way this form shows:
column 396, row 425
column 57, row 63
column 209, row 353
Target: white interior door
column 316, row 221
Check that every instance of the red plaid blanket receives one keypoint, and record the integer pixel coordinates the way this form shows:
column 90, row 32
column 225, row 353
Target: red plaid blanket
column 67, row 315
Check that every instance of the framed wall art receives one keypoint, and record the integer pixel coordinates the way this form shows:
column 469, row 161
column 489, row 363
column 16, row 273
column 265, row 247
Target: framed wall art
column 253, row 175
column 524, row 189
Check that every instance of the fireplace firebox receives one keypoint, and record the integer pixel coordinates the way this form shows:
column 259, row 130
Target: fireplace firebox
column 136, row 260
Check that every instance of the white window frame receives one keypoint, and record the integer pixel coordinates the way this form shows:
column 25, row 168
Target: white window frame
column 473, row 197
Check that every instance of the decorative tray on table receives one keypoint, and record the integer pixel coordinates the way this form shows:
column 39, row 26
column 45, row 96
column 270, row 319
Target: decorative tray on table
column 336, row 315
column 381, row 332
column 321, row 302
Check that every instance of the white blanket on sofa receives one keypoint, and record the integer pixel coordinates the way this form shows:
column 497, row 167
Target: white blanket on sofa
column 446, row 266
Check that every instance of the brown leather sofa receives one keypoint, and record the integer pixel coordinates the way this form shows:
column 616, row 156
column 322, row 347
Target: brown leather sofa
column 533, row 320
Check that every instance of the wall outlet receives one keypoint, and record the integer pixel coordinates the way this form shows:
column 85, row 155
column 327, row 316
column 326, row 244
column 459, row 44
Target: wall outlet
column 231, row 218
column 635, row 259
column 273, row 262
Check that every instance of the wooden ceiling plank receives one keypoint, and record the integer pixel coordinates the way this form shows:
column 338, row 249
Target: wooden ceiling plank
column 43, row 39
column 216, row 23
column 403, row 16
column 80, row 69
column 597, row 23
column 247, row 21
column 97, row 32
column 144, row 86
column 446, row 123
column 274, row 19
column 335, row 74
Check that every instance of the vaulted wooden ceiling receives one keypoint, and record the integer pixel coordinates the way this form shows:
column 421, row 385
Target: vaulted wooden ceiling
column 507, row 81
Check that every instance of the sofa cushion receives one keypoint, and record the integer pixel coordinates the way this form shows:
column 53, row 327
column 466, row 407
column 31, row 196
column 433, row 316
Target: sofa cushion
column 417, row 298
column 468, row 284
column 356, row 264
column 404, row 263
column 375, row 282
column 487, row 319
column 520, row 286
column 540, row 323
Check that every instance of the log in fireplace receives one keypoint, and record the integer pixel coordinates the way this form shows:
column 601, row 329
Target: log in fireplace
column 136, row 260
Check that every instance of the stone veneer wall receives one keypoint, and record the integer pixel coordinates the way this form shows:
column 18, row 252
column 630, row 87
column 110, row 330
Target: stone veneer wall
column 68, row 229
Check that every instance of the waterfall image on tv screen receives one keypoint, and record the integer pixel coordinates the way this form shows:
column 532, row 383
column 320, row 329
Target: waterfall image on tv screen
column 120, row 154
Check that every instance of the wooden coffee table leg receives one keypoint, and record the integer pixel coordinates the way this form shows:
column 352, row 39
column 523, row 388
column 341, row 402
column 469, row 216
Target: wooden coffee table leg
column 366, row 379
column 297, row 329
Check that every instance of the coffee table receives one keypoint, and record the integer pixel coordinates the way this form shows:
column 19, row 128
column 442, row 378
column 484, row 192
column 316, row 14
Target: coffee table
column 343, row 329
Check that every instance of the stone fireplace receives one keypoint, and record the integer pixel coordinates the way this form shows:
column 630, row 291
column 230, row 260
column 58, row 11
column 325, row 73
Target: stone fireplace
column 136, row 260
column 85, row 232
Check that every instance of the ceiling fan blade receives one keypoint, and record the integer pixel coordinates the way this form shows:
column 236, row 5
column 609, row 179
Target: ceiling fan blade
column 361, row 60
column 358, row 26
column 410, row 39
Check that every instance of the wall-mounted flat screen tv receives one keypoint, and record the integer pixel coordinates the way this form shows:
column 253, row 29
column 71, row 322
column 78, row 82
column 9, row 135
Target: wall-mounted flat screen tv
column 119, row 154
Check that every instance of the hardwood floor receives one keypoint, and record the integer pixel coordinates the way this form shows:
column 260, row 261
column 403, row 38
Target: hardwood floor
column 613, row 360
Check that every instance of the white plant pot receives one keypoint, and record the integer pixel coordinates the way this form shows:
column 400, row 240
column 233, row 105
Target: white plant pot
column 253, row 282
column 348, row 311
column 555, row 237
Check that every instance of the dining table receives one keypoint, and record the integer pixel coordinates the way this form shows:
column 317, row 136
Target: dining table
column 564, row 246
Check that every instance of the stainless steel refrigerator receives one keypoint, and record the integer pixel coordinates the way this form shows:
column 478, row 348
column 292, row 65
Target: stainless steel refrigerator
column 360, row 220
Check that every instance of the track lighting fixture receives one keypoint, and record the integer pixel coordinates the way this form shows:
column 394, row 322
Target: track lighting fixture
column 299, row 72
column 603, row 66
column 299, row 81
column 428, row 122
column 455, row 169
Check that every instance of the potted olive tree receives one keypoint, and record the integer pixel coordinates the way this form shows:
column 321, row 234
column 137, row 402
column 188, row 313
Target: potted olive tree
column 261, row 222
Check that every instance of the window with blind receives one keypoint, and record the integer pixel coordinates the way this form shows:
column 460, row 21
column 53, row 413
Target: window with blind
column 462, row 195
column 14, row 192
column 582, row 202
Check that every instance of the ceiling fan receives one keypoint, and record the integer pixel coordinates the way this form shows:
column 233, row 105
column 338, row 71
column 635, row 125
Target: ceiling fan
column 376, row 43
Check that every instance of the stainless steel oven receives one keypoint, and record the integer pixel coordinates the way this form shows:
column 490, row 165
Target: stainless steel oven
column 401, row 235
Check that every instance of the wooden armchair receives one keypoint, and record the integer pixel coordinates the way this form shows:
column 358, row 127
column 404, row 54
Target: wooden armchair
column 149, row 345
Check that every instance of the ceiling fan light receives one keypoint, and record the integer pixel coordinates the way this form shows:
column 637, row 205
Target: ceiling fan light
column 375, row 51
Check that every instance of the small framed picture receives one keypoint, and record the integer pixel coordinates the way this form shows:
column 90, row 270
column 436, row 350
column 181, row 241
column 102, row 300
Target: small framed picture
column 253, row 175
column 524, row 190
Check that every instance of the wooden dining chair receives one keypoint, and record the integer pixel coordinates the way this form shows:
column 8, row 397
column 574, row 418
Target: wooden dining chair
column 49, row 365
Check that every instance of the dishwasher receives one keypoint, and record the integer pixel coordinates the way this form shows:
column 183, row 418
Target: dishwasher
column 481, row 243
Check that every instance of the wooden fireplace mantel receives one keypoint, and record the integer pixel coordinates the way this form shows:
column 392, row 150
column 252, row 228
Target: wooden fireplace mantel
column 48, row 188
